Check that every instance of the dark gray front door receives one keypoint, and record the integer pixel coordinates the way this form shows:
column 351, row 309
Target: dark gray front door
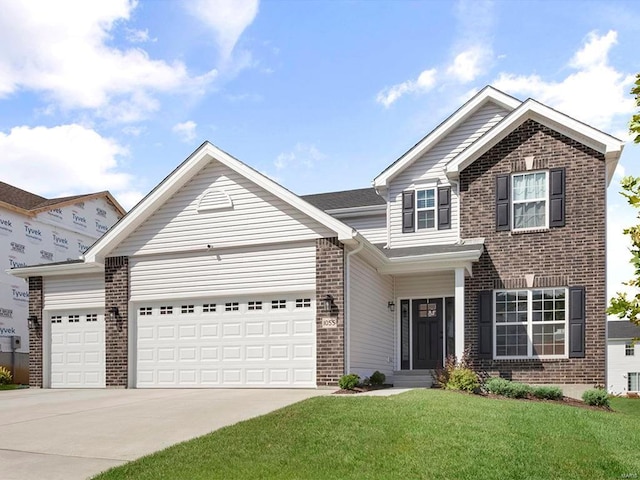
column 427, row 333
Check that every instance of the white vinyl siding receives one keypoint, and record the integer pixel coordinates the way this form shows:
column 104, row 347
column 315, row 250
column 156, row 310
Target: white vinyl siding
column 256, row 217
column 230, row 272
column 619, row 366
column 73, row 291
column 431, row 167
column 371, row 323
column 372, row 227
column 428, row 285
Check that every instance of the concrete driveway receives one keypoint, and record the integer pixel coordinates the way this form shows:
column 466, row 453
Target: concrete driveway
column 75, row 434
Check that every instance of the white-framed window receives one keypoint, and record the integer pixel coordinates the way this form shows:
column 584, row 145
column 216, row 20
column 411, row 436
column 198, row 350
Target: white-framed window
column 231, row 307
column 168, row 310
column 252, row 306
column 303, row 303
column 56, row 319
column 278, row 304
column 530, row 200
column 530, row 323
column 629, row 350
column 208, row 307
column 187, row 309
column 74, row 318
column 145, row 311
column 633, row 381
column 426, row 208
column 92, row 317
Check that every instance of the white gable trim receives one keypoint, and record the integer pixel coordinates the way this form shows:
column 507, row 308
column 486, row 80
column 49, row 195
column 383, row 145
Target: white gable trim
column 487, row 94
column 71, row 268
column 185, row 172
column 610, row 146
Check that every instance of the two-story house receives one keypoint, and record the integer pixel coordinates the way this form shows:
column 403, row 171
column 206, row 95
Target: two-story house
column 38, row 230
column 487, row 235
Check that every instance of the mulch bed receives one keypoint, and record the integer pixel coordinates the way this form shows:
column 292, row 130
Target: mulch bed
column 362, row 389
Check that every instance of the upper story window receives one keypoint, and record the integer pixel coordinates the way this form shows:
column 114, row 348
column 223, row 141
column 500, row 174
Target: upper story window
column 629, row 350
column 530, row 200
column 426, row 208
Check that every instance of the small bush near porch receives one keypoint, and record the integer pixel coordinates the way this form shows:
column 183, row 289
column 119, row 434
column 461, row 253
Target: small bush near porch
column 431, row 434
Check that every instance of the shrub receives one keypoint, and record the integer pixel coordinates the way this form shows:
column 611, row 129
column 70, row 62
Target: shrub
column 377, row 378
column 596, row 397
column 518, row 390
column 443, row 374
column 547, row 393
column 349, row 382
column 463, row 379
column 497, row 385
column 5, row 376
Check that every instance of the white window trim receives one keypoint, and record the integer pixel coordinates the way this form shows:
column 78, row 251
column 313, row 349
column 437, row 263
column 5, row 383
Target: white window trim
column 513, row 202
column 637, row 381
column 530, row 323
column 434, row 208
column 629, row 347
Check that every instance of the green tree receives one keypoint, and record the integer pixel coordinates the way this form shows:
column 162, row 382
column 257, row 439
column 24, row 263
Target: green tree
column 621, row 305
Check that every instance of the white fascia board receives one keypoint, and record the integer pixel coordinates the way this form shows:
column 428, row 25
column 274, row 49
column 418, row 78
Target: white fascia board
column 185, row 172
column 60, row 269
column 425, row 267
column 432, row 262
column 602, row 142
column 486, row 95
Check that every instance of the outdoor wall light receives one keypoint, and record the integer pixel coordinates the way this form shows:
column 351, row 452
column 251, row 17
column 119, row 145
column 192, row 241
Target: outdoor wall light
column 327, row 302
column 113, row 312
column 392, row 306
column 33, row 321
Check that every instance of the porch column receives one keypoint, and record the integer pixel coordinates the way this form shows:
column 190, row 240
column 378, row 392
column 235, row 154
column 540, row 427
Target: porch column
column 459, row 311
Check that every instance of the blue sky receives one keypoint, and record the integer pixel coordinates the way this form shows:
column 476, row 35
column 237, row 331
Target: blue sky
column 319, row 95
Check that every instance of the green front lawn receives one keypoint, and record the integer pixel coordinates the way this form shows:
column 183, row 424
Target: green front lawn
column 420, row 434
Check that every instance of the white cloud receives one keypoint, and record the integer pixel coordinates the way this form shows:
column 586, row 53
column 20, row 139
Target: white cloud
column 469, row 64
column 139, row 36
column 185, row 130
column 302, row 156
column 64, row 160
column 227, row 18
column 63, row 49
column 594, row 92
column 425, row 82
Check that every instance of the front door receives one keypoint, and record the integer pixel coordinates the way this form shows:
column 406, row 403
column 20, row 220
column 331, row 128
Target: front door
column 427, row 333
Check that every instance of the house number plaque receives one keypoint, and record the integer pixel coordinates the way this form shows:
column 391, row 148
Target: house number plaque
column 329, row 322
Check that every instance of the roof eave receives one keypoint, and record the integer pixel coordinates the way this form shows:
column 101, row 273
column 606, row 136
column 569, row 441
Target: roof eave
column 431, row 262
column 61, row 269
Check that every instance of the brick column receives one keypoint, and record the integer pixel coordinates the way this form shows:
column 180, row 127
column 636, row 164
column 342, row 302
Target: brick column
column 329, row 341
column 116, row 284
column 35, row 334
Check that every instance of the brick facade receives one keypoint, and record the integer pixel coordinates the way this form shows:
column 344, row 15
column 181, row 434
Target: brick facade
column 573, row 255
column 329, row 341
column 35, row 334
column 116, row 279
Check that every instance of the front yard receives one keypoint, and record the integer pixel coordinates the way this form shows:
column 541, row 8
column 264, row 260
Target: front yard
column 431, row 434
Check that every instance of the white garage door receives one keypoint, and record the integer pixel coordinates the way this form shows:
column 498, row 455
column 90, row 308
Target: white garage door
column 234, row 342
column 77, row 350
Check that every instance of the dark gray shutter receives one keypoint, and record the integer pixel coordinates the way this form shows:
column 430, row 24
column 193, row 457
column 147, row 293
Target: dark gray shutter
column 502, row 203
column 576, row 322
column 556, row 197
column 485, row 324
column 408, row 211
column 444, row 208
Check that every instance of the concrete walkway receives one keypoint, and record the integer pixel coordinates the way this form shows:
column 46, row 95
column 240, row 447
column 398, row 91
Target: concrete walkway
column 75, row 434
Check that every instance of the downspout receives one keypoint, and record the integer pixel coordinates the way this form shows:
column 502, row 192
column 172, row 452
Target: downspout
column 347, row 309
column 457, row 184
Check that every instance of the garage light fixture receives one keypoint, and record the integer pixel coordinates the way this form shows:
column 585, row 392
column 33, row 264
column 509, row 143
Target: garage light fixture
column 391, row 306
column 327, row 302
column 113, row 312
column 33, row 322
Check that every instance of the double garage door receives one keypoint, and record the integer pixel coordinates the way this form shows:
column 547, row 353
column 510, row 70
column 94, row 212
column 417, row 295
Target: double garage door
column 235, row 342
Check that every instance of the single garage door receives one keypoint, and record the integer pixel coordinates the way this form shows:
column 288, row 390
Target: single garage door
column 229, row 342
column 77, row 349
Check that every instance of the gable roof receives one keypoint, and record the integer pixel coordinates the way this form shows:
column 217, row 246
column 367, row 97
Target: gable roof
column 361, row 197
column 27, row 203
column 486, row 95
column 185, row 172
column 602, row 142
column 622, row 329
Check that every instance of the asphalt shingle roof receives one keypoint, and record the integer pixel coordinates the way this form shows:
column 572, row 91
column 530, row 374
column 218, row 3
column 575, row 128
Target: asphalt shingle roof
column 19, row 198
column 362, row 197
column 623, row 329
